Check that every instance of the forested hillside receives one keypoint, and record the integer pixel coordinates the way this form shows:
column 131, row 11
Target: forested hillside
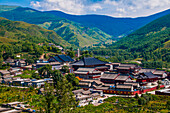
column 74, row 33
column 110, row 25
column 17, row 37
column 151, row 43
column 24, row 31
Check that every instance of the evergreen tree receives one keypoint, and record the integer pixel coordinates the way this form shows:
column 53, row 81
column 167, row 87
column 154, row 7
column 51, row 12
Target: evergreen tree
column 48, row 99
column 72, row 79
column 57, row 76
column 65, row 98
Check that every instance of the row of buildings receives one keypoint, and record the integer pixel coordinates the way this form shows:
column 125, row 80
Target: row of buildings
column 109, row 77
column 117, row 78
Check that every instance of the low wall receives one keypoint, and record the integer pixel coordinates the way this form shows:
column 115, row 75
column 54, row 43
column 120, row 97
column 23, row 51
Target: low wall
column 128, row 92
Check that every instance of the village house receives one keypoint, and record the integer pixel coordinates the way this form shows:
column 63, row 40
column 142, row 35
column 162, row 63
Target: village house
column 38, row 83
column 59, row 47
column 63, row 59
column 9, row 60
column 86, row 95
column 89, row 83
column 20, row 82
column 4, row 73
column 20, row 63
column 55, row 65
column 15, row 71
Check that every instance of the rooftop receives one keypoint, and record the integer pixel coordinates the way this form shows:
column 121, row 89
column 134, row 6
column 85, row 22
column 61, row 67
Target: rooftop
column 77, row 91
column 146, row 70
column 159, row 72
column 89, row 61
column 90, row 81
column 4, row 72
column 86, row 92
column 109, row 76
column 122, row 77
column 63, row 58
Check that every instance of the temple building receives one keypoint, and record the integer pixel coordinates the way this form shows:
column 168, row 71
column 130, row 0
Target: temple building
column 113, row 78
column 90, row 62
column 88, row 73
column 128, row 68
column 147, row 77
column 63, row 59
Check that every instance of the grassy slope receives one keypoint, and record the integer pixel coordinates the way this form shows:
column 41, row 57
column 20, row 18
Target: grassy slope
column 15, row 30
column 76, row 34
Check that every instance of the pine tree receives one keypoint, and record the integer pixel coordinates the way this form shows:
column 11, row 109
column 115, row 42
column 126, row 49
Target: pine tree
column 48, row 99
column 65, row 98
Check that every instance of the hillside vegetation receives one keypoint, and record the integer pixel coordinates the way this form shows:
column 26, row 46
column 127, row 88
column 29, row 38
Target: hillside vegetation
column 110, row 25
column 74, row 33
column 24, row 31
column 151, row 43
column 23, row 38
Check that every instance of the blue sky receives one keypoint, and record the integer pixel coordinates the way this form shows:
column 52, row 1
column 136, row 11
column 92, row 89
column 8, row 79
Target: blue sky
column 115, row 8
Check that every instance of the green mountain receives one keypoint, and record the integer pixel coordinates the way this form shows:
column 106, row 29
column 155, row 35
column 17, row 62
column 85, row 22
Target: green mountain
column 151, row 42
column 148, row 38
column 74, row 33
column 110, row 25
column 14, row 31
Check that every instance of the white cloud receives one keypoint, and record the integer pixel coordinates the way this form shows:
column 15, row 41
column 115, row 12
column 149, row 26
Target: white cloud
column 122, row 10
column 68, row 6
column 95, row 7
column 116, row 8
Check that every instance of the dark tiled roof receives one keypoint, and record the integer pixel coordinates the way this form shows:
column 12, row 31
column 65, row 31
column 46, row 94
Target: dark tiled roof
column 64, row 58
column 69, row 58
column 79, row 63
column 89, row 61
column 93, row 61
column 150, row 75
column 58, row 59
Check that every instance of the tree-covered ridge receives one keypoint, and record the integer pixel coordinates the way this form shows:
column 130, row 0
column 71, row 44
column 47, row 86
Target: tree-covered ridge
column 148, row 38
column 110, row 25
column 149, row 32
column 150, row 42
column 74, row 33
column 24, row 31
column 7, row 8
